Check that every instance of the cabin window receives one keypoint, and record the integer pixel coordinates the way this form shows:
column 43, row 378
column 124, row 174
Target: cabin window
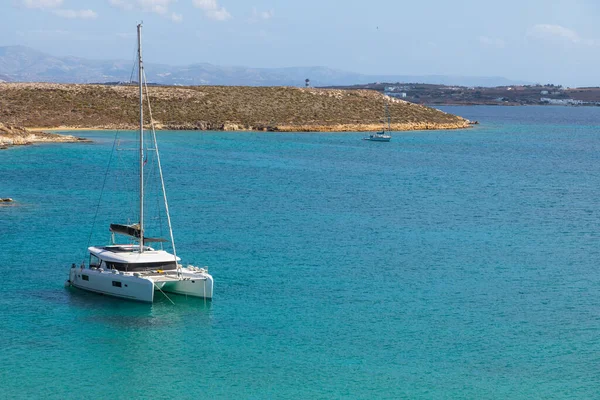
column 116, row 283
column 94, row 261
column 85, row 277
column 167, row 265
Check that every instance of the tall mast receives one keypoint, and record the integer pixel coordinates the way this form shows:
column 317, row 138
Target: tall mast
column 140, row 75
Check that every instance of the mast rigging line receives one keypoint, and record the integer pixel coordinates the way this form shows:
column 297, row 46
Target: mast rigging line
column 133, row 66
column 101, row 193
column 162, row 181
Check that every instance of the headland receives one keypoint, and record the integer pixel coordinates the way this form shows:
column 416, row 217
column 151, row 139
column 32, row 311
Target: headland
column 11, row 135
column 44, row 106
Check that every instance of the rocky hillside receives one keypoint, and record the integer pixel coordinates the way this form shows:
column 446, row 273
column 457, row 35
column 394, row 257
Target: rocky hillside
column 35, row 105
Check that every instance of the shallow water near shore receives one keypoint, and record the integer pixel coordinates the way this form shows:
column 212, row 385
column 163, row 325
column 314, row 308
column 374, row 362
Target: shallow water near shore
column 444, row 264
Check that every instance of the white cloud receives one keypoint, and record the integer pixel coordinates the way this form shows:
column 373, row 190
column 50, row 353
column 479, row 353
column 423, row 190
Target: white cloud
column 160, row 7
column 206, row 4
column 42, row 3
column 156, row 6
column 212, row 9
column 220, row 15
column 176, row 17
column 557, row 32
column 125, row 5
column 264, row 14
column 83, row 14
column 491, row 42
column 261, row 15
column 53, row 6
column 543, row 31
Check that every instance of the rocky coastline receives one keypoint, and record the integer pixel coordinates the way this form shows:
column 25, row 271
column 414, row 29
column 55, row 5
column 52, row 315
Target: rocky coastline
column 18, row 136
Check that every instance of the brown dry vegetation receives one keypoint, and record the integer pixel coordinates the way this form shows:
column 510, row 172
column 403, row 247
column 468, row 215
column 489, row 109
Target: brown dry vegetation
column 213, row 107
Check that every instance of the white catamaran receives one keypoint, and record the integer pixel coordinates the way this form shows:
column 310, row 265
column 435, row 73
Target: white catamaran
column 137, row 271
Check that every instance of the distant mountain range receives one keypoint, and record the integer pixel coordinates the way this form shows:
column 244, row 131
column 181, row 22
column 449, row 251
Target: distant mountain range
column 24, row 64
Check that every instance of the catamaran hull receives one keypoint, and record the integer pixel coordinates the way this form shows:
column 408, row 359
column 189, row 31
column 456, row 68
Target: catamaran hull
column 116, row 285
column 196, row 287
column 141, row 288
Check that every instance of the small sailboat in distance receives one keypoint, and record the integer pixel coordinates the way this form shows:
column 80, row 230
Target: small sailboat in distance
column 137, row 271
column 381, row 136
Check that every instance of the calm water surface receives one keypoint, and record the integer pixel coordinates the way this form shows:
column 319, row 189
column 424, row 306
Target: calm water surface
column 456, row 264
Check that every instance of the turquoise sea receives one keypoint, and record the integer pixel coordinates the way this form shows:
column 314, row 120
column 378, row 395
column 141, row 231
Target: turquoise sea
column 442, row 265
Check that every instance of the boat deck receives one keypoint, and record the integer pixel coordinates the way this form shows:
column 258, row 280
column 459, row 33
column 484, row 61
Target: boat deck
column 161, row 277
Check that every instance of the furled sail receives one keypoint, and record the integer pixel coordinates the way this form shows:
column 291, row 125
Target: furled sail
column 132, row 231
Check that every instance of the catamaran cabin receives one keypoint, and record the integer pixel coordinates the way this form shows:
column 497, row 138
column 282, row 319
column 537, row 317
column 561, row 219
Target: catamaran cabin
column 128, row 258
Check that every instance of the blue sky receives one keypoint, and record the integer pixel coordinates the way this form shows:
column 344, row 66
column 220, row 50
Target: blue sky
column 546, row 41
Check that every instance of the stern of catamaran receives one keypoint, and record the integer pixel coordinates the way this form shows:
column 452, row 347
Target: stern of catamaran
column 188, row 281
